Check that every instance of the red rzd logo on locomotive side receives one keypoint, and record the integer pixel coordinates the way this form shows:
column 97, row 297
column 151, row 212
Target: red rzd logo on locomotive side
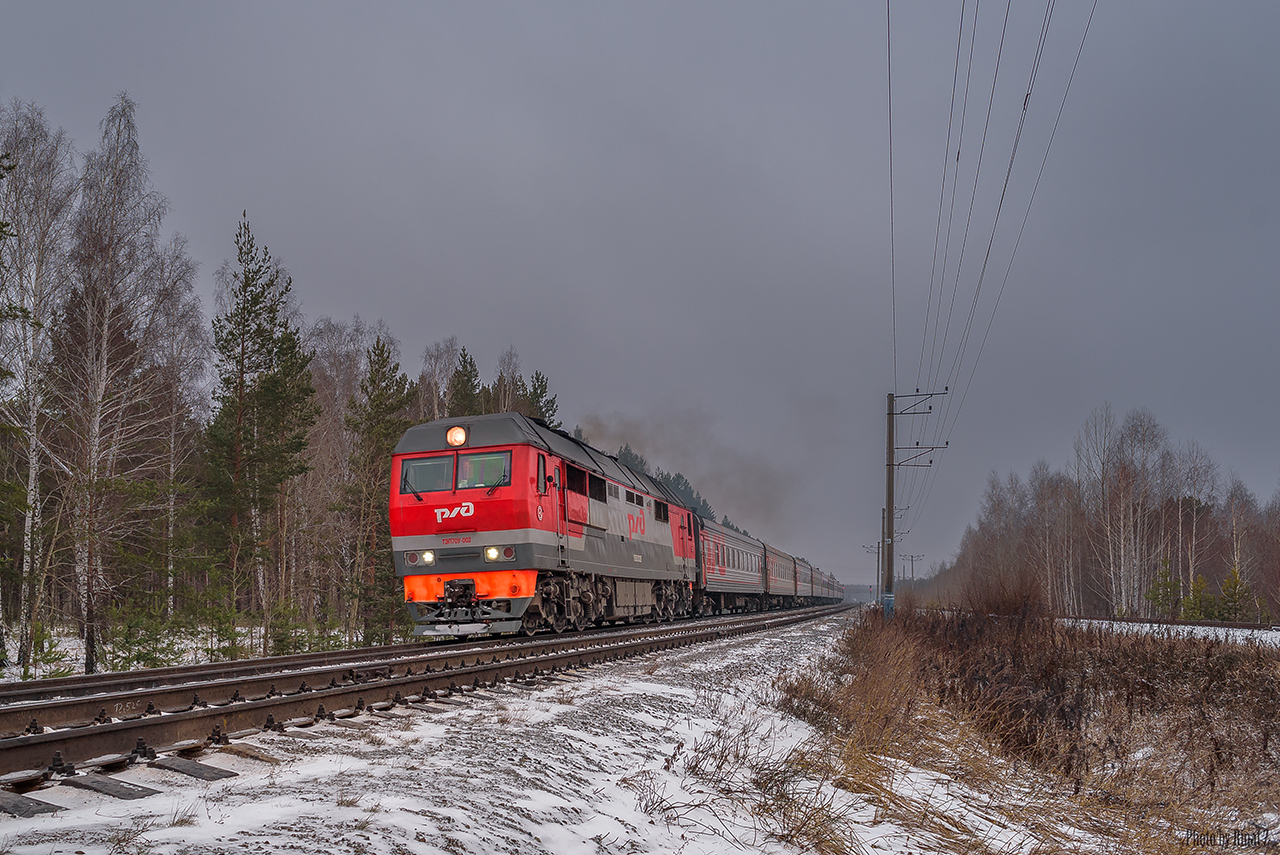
column 635, row 522
column 465, row 509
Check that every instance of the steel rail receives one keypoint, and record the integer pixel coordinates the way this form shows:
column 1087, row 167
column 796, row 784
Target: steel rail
column 20, row 691
column 176, row 694
column 305, row 705
column 79, row 685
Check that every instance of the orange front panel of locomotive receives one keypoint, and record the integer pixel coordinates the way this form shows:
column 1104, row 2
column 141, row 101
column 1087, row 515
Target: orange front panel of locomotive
column 490, row 585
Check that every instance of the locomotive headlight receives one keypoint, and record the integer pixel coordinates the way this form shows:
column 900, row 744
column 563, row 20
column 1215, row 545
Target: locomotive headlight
column 499, row 553
column 427, row 556
column 456, row 435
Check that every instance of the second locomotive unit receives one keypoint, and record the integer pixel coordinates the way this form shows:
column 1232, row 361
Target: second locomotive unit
column 502, row 524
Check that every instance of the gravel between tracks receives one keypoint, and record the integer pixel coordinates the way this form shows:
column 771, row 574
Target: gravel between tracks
column 581, row 766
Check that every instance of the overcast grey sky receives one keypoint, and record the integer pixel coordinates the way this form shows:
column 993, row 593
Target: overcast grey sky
column 680, row 213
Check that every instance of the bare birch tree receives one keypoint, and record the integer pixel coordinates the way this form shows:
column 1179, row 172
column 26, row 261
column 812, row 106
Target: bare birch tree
column 510, row 392
column 102, row 350
column 37, row 199
column 1240, row 519
column 1198, row 482
column 439, row 361
column 181, row 357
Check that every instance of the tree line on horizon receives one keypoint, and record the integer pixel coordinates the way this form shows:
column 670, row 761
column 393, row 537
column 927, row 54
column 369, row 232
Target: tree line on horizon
column 1133, row 526
column 167, row 482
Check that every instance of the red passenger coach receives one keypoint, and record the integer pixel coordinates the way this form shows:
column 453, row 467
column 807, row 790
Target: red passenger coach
column 502, row 524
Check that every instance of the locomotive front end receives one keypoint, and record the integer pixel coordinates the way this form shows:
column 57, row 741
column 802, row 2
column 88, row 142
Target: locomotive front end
column 465, row 525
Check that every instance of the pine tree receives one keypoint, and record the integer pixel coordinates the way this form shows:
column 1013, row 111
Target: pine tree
column 1236, row 597
column 1163, row 594
column 465, row 395
column 377, row 422
column 689, row 497
column 258, row 435
column 627, row 457
column 1199, row 604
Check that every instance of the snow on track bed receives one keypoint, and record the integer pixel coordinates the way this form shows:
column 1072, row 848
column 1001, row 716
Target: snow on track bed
column 557, row 770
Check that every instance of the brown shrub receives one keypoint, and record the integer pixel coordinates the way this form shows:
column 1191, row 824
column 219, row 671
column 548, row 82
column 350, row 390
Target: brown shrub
column 1156, row 731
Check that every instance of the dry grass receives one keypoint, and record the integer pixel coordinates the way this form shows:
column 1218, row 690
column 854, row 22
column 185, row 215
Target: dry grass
column 128, row 839
column 182, row 815
column 1043, row 736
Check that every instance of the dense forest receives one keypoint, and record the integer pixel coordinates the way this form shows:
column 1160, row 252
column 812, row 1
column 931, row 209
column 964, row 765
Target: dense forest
column 1133, row 526
column 172, row 483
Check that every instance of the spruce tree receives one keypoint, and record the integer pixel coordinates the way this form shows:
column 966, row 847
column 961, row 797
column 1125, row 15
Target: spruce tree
column 465, row 394
column 377, row 422
column 542, row 405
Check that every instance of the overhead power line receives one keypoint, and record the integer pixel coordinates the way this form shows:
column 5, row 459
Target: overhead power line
column 919, row 490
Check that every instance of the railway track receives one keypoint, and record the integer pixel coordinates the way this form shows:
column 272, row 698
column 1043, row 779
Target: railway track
column 66, row 736
column 81, row 685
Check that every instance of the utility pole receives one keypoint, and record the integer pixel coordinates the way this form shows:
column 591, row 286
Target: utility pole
column 913, row 559
column 891, row 464
column 876, row 550
column 890, row 470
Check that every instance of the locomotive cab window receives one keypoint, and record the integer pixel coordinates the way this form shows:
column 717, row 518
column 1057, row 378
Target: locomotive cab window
column 542, row 473
column 576, row 479
column 426, row 474
column 660, row 512
column 491, row 469
column 595, row 488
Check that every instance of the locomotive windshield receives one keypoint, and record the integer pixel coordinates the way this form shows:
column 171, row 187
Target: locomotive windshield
column 434, row 474
column 427, row 474
column 484, row 470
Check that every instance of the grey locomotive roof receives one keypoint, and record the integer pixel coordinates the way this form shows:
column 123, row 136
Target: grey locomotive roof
column 513, row 428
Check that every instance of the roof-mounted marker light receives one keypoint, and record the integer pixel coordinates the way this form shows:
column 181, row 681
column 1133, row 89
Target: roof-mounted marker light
column 456, row 435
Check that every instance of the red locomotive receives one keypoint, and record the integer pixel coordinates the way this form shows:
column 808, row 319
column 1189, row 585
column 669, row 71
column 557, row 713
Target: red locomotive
column 502, row 524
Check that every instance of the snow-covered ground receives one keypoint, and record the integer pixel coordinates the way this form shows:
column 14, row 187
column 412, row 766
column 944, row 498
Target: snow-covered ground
column 678, row 752
column 595, row 764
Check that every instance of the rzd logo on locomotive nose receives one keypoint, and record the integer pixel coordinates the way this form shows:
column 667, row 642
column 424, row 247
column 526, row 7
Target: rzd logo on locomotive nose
column 465, row 509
